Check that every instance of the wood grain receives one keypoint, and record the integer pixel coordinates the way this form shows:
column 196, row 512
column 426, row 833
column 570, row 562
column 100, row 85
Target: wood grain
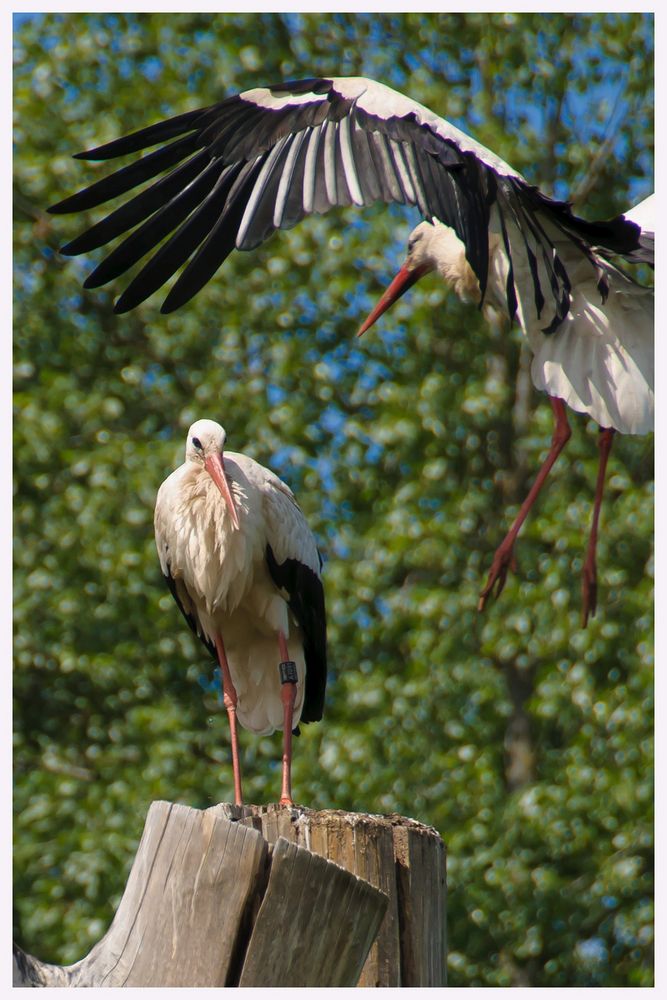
column 403, row 858
column 211, row 900
column 316, row 923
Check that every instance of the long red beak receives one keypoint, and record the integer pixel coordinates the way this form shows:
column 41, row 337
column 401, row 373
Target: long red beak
column 215, row 467
column 405, row 279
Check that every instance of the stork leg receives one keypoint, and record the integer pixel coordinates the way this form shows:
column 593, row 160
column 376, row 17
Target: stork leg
column 230, row 699
column 288, row 678
column 589, row 579
column 504, row 553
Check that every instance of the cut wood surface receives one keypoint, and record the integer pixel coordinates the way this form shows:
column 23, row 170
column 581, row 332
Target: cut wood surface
column 211, row 901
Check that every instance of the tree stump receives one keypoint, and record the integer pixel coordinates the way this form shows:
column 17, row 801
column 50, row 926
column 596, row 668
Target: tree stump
column 209, row 903
column 270, row 896
column 401, row 857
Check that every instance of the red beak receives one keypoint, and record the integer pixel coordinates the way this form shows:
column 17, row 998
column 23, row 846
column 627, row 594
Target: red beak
column 215, row 467
column 405, row 279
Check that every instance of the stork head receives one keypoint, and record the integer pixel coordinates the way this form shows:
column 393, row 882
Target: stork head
column 431, row 246
column 418, row 262
column 205, row 446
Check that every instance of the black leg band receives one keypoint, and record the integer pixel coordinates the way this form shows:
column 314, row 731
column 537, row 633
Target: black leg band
column 288, row 674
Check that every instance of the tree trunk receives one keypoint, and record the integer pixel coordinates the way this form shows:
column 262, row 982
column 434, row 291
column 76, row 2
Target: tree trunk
column 270, row 896
column 208, row 902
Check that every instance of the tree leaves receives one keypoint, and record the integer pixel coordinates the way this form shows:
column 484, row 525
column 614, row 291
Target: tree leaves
column 410, row 452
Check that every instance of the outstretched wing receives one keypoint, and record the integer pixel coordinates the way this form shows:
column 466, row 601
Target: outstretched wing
column 294, row 564
column 264, row 159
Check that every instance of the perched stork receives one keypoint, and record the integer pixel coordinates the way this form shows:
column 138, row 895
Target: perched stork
column 261, row 160
column 244, row 569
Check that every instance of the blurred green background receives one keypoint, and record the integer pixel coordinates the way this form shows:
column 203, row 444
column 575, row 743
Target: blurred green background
column 526, row 741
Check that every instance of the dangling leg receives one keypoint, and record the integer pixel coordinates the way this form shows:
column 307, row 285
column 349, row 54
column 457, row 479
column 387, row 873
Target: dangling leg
column 589, row 579
column 288, row 679
column 230, row 699
column 503, row 557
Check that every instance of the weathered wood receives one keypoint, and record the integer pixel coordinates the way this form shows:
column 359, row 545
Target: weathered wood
column 192, row 861
column 170, row 928
column 29, row 971
column 403, row 858
column 422, row 896
column 190, row 903
column 311, row 929
column 367, row 848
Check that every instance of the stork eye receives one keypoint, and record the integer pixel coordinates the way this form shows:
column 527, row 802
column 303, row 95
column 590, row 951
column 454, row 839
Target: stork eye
column 197, row 443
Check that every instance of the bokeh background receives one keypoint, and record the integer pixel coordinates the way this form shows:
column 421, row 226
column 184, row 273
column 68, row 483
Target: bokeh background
column 525, row 740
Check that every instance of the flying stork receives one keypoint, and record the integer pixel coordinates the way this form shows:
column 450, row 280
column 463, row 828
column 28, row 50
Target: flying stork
column 244, row 569
column 598, row 359
column 261, row 160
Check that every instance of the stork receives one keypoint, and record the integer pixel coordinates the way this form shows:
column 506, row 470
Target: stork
column 261, row 160
column 598, row 360
column 244, row 569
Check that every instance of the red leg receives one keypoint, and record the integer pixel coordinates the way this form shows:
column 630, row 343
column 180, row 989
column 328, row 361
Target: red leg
column 589, row 579
column 503, row 557
column 288, row 697
column 230, row 699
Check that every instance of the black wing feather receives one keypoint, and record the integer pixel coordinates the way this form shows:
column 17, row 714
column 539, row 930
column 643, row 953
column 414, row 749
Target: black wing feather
column 191, row 619
column 149, row 136
column 218, row 244
column 178, row 248
column 159, row 225
column 128, row 177
column 139, row 207
column 306, row 602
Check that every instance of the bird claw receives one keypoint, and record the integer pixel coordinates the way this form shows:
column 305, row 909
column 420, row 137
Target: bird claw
column 503, row 561
column 589, row 592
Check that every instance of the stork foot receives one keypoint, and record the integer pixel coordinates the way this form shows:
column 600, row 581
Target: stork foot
column 589, row 591
column 503, row 561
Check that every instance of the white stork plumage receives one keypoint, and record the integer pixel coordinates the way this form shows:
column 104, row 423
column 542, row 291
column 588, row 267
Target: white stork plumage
column 262, row 160
column 243, row 567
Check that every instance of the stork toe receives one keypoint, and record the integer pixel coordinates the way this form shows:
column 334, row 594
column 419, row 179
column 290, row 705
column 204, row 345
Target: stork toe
column 503, row 561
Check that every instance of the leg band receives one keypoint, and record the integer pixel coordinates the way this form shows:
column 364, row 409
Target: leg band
column 288, row 674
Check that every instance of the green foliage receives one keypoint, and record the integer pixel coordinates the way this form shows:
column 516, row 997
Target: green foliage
column 526, row 741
